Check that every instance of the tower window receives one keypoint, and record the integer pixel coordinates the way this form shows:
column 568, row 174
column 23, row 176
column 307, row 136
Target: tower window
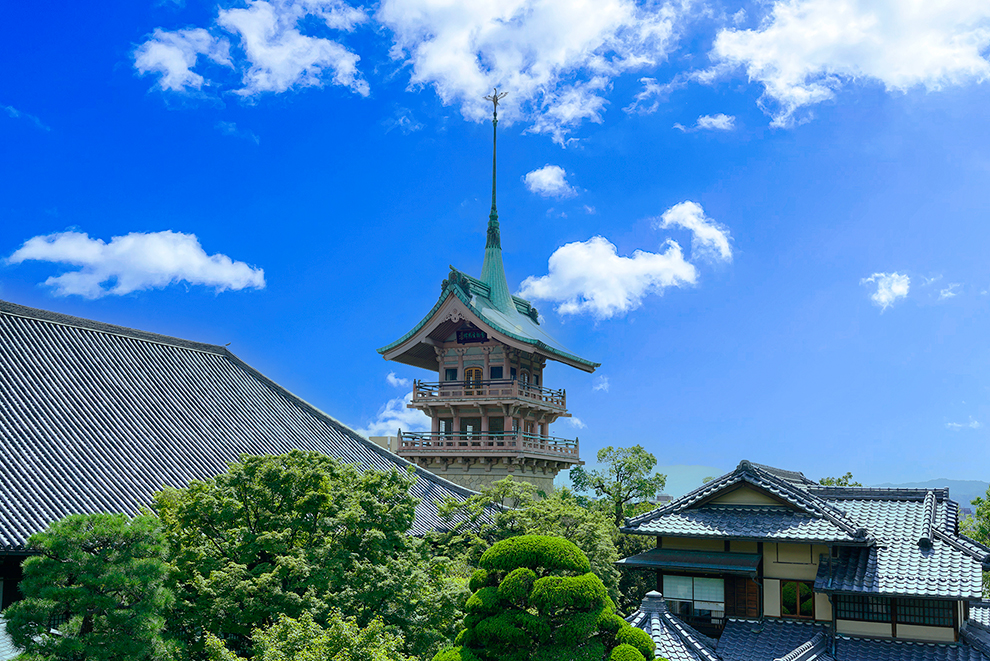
column 496, row 372
column 450, row 374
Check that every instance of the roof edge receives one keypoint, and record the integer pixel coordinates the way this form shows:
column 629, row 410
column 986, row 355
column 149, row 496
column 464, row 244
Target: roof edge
column 15, row 310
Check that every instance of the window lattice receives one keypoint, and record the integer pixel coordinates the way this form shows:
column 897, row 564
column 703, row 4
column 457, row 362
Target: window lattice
column 863, row 609
column 925, row 611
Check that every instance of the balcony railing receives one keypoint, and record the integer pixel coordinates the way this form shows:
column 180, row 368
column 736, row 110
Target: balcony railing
column 486, row 442
column 494, row 389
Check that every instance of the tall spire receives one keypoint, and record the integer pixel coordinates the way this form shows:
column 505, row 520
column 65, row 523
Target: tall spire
column 492, row 271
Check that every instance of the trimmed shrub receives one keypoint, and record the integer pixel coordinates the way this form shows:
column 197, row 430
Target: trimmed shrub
column 630, row 635
column 593, row 651
column 556, row 593
column 479, row 579
column 515, row 587
column 483, row 602
column 611, row 623
column 626, row 653
column 552, row 554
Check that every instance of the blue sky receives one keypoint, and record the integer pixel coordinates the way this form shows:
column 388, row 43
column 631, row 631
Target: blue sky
column 768, row 221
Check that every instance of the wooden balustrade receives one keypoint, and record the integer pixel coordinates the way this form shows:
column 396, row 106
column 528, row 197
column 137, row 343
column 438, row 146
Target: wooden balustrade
column 485, row 442
column 494, row 389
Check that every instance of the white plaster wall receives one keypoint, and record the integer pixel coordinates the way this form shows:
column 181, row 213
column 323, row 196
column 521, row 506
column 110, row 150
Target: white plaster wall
column 773, row 568
column 918, row 632
column 853, row 628
column 693, row 544
column 823, row 607
column 745, row 496
column 771, row 597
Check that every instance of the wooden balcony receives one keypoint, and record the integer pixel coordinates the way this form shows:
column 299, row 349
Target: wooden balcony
column 430, row 394
column 487, row 444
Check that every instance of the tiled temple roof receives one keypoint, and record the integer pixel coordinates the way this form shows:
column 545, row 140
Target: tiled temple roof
column 97, row 418
column 675, row 640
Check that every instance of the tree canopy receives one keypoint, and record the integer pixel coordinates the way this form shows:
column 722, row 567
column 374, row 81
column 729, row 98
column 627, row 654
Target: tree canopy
column 844, row 481
column 301, row 533
column 95, row 591
column 977, row 527
column 626, row 477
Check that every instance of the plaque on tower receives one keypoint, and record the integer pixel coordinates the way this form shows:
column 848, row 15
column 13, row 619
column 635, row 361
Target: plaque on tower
column 471, row 336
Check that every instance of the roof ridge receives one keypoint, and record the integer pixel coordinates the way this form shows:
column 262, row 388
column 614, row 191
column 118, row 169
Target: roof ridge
column 690, row 635
column 799, row 652
column 878, row 493
column 58, row 318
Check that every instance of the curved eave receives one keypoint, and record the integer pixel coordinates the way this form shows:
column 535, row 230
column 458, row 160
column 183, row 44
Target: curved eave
column 537, row 345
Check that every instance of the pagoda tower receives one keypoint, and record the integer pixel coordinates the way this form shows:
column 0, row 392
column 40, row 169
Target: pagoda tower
column 490, row 407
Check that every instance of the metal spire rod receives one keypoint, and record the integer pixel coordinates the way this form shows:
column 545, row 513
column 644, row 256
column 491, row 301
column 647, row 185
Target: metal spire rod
column 494, row 98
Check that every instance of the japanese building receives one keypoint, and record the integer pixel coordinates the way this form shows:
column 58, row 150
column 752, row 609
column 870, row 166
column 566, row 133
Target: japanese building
column 489, row 404
column 765, row 564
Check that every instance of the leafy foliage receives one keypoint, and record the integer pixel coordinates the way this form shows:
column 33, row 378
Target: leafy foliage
column 625, row 478
column 977, row 527
column 540, row 603
column 844, row 481
column 474, row 527
column 95, row 591
column 341, row 639
column 302, row 533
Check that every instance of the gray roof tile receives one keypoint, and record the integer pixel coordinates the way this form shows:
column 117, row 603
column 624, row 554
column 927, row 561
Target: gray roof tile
column 863, row 649
column 97, row 418
column 741, row 522
column 675, row 640
column 750, row 640
column 979, row 611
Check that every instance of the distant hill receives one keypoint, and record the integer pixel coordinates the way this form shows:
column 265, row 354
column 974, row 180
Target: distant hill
column 961, row 491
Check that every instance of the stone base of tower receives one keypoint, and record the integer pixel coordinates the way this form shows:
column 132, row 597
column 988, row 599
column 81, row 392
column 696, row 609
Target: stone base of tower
column 477, row 476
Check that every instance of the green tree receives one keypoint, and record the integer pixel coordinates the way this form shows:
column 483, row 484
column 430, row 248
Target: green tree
column 626, row 478
column 484, row 519
column 341, row 639
column 977, row 527
column 844, row 481
column 297, row 533
column 95, row 592
column 536, row 600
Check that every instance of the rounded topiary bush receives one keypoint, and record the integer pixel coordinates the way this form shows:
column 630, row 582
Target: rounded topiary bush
column 626, row 652
column 551, row 554
column 629, row 635
column 535, row 599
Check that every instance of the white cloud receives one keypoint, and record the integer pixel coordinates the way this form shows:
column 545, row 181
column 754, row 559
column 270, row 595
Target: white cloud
column 230, row 128
column 719, row 122
column 957, row 426
column 556, row 57
column 278, row 55
column 281, row 56
column 709, row 239
column 135, row 262
column 590, row 210
column 601, row 384
column 397, row 382
column 394, row 416
column 575, row 422
column 172, row 55
column 890, row 288
column 14, row 113
column 950, row 291
column 549, row 181
column 403, row 120
column 590, row 277
column 806, row 50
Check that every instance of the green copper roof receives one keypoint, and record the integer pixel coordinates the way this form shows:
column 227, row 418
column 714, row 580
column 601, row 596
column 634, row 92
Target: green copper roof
column 520, row 322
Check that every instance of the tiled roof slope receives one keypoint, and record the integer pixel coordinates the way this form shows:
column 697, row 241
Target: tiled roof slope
column 787, row 640
column 675, row 640
column 979, row 611
column 770, row 640
column 96, row 418
column 834, row 526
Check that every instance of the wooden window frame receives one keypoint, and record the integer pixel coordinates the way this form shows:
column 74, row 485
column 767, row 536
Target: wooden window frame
column 797, row 594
